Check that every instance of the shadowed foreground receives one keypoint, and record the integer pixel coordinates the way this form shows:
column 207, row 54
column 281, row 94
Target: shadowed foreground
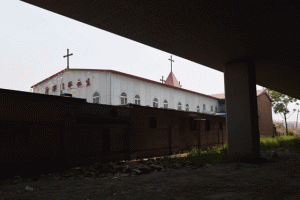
column 274, row 180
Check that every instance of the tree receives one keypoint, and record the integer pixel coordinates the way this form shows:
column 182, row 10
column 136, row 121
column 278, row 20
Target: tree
column 280, row 104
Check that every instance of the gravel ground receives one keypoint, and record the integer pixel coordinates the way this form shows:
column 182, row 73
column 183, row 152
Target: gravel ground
column 138, row 180
column 133, row 168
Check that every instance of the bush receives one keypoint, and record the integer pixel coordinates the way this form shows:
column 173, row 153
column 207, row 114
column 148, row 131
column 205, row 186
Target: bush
column 291, row 133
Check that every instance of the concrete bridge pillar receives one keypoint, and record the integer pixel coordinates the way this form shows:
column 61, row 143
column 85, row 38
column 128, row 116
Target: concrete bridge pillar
column 243, row 137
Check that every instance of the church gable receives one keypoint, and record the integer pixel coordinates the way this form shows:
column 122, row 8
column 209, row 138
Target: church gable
column 171, row 80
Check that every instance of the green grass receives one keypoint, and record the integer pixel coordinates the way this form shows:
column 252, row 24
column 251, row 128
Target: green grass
column 289, row 142
column 218, row 155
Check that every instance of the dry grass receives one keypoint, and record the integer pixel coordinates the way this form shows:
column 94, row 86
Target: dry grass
column 282, row 129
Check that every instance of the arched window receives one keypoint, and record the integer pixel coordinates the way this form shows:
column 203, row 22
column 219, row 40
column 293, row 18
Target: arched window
column 216, row 109
column 203, row 106
column 187, row 107
column 211, row 108
column 137, row 100
column 165, row 104
column 179, row 106
column 96, row 97
column 123, row 98
column 198, row 109
column 155, row 103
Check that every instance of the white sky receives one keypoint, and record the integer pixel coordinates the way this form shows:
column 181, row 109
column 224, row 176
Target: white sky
column 33, row 42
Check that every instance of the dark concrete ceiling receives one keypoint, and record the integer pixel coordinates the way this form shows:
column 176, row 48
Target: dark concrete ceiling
column 210, row 33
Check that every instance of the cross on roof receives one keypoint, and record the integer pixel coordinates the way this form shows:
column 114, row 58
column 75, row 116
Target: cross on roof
column 68, row 57
column 171, row 62
column 162, row 80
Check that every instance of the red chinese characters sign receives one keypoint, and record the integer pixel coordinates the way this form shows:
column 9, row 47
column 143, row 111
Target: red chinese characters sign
column 88, row 82
column 47, row 90
column 79, row 83
column 54, row 88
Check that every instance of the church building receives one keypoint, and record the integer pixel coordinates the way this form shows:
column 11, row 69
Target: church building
column 118, row 88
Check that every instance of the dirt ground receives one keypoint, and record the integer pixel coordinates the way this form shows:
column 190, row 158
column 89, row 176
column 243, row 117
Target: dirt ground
column 267, row 181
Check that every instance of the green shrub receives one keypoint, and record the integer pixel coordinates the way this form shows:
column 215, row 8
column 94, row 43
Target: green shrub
column 290, row 133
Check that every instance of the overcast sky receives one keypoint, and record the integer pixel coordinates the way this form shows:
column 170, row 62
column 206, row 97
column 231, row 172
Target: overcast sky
column 33, row 42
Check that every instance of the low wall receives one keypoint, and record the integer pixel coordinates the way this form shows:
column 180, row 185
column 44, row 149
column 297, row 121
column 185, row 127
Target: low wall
column 50, row 138
column 150, row 132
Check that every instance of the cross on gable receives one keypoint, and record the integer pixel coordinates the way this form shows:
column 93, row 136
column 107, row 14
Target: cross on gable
column 171, row 62
column 162, row 80
column 68, row 57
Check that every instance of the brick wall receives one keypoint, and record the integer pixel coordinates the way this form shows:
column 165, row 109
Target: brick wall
column 265, row 115
column 174, row 131
column 31, row 125
column 149, row 132
column 36, row 127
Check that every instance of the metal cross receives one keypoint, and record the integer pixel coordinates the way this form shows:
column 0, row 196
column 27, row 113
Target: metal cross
column 171, row 62
column 68, row 57
column 162, row 80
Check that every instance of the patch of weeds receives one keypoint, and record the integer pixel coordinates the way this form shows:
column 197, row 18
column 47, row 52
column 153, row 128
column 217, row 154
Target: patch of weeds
column 291, row 133
column 275, row 155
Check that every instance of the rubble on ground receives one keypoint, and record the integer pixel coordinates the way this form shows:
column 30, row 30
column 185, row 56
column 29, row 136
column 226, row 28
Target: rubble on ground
column 139, row 167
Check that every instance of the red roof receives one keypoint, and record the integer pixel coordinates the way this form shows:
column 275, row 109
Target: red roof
column 112, row 71
column 258, row 92
column 171, row 80
column 219, row 96
column 261, row 92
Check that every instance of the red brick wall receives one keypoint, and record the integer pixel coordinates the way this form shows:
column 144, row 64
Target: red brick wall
column 265, row 115
column 51, row 127
column 30, row 127
column 145, row 141
column 215, row 136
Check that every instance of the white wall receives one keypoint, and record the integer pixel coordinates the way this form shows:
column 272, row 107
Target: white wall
column 131, row 86
column 97, row 84
column 148, row 91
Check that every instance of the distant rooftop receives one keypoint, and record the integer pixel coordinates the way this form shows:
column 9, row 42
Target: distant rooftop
column 258, row 92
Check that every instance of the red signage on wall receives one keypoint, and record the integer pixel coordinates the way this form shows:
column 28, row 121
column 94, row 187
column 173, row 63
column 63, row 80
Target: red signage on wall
column 47, row 90
column 88, row 82
column 79, row 83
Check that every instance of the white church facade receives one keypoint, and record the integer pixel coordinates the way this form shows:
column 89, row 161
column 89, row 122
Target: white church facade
column 117, row 88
